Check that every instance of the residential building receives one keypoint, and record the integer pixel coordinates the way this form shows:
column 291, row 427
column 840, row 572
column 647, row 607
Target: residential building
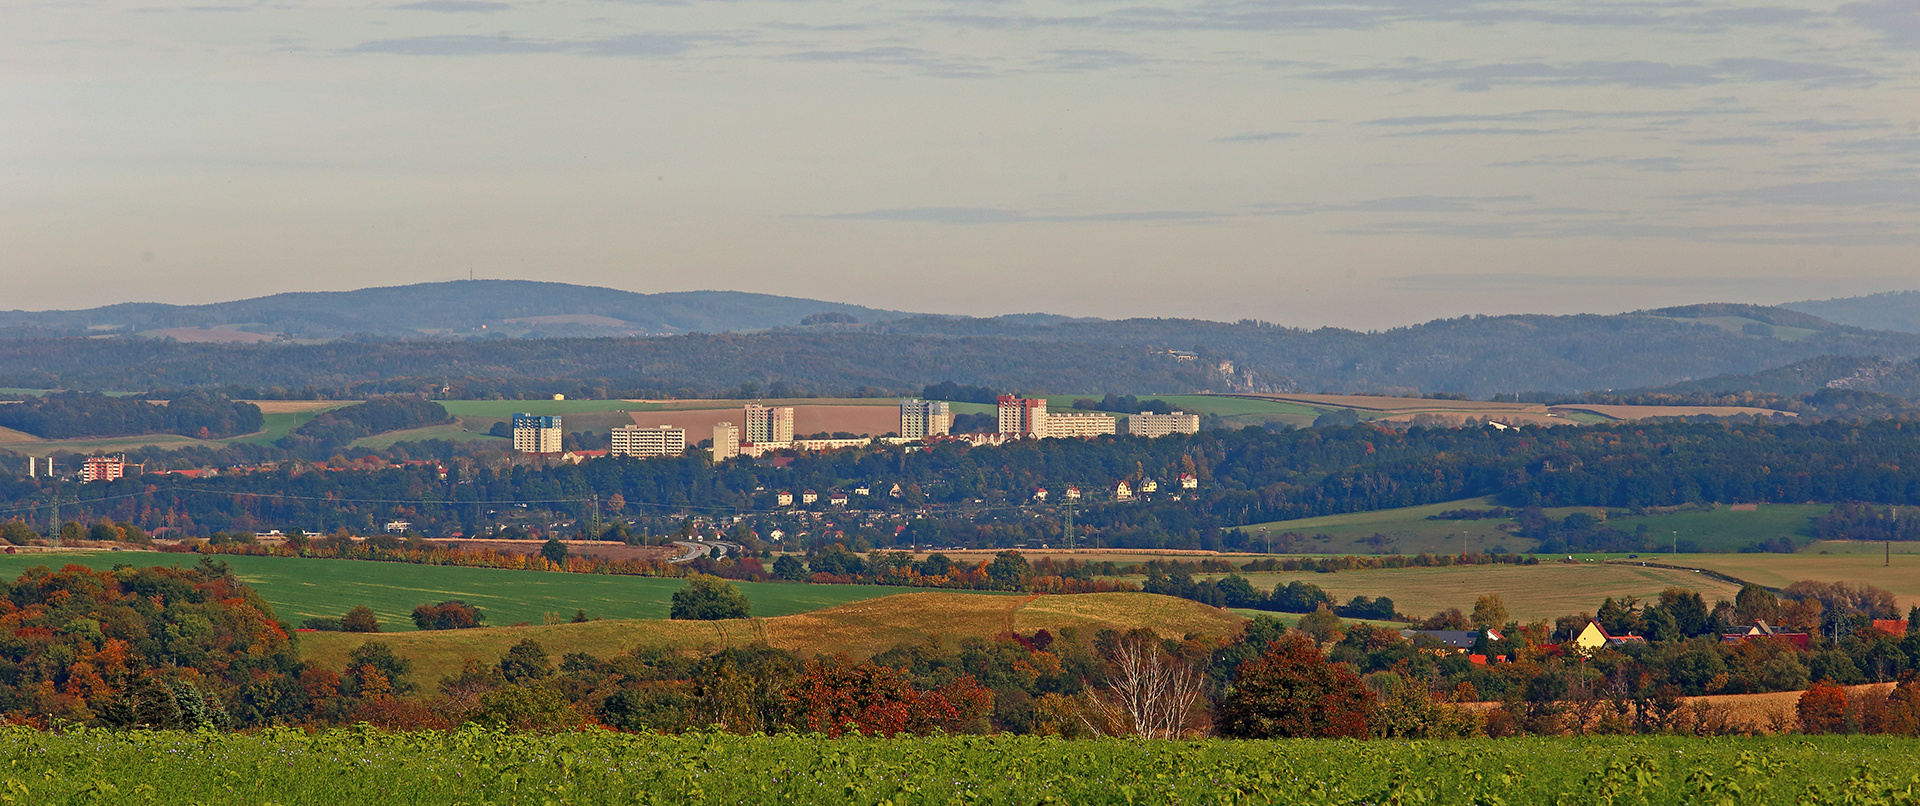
column 537, row 433
column 784, row 498
column 1189, row 482
column 768, row 424
column 1122, row 492
column 101, row 468
column 633, row 440
column 920, row 419
column 837, row 499
column 1457, row 640
column 1063, row 424
column 1148, row 424
column 1762, row 631
column 831, row 444
column 726, row 441
column 1149, row 486
column 1593, row 637
column 1023, row 418
column 808, row 496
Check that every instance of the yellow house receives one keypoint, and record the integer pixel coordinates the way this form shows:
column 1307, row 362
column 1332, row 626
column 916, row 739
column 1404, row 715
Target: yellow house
column 1593, row 637
column 1590, row 639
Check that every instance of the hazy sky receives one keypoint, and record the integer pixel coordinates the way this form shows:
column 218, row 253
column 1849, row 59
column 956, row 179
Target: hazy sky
column 1364, row 163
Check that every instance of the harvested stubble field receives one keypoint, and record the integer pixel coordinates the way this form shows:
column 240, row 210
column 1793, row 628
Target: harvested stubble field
column 477, row 766
column 1531, row 592
column 858, row 629
column 1901, row 576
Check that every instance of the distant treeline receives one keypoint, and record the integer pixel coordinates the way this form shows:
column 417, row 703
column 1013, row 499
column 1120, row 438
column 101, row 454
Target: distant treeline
column 71, row 415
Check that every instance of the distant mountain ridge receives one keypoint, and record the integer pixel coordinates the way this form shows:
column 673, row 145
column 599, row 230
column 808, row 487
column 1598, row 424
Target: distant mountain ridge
column 1891, row 310
column 522, row 334
column 457, row 309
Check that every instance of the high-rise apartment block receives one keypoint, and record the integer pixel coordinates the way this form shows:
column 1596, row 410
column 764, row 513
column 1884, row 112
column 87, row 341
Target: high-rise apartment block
column 1148, row 424
column 100, row 468
column 726, row 441
column 537, row 433
column 920, row 419
column 768, row 424
column 1023, row 418
column 633, row 440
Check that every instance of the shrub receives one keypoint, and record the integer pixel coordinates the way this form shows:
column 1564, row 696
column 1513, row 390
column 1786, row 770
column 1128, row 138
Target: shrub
column 449, row 615
column 708, row 598
column 360, row 619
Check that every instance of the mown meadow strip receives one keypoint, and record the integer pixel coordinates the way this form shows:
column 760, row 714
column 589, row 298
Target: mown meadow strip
column 476, row 766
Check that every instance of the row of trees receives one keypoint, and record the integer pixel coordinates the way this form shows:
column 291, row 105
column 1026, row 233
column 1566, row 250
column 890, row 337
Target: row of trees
column 71, row 415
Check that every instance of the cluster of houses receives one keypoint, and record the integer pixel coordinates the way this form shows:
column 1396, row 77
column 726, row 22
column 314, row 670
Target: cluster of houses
column 1593, row 638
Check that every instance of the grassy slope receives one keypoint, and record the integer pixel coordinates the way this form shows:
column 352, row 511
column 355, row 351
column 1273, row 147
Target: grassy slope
column 300, row 589
column 1530, row 591
column 858, row 629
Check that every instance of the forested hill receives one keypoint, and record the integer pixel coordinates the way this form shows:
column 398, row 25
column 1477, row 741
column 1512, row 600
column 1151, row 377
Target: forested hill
column 460, row 309
column 1855, row 372
column 1893, row 310
column 1477, row 356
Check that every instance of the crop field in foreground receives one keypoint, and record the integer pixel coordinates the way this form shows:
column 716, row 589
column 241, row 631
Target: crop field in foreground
column 476, row 766
column 302, row 588
column 859, row 629
column 1531, row 592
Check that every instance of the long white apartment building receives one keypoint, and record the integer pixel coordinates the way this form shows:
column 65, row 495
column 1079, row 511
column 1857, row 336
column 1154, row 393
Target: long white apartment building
column 768, row 424
column 1062, row 424
column 643, row 442
column 1148, row 424
column 726, row 441
column 920, row 419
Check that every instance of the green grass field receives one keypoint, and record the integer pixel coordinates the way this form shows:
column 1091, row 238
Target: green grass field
column 452, row 433
column 281, row 423
column 1407, row 531
column 477, row 766
column 301, row 588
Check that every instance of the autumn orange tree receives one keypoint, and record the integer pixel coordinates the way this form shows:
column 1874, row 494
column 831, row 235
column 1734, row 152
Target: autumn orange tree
column 1823, row 708
column 835, row 696
column 1292, row 691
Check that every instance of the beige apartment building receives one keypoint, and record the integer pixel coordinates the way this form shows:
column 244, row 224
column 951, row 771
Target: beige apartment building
column 1062, row 424
column 643, row 442
column 1148, row 424
column 920, row 419
column 768, row 424
column 726, row 441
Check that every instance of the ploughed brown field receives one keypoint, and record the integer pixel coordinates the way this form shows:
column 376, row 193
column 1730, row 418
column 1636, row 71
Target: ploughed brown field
column 1638, row 412
column 873, row 420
